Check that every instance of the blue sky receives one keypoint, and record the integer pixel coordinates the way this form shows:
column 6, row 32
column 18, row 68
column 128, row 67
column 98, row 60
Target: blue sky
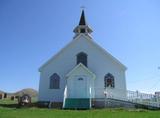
column 31, row 31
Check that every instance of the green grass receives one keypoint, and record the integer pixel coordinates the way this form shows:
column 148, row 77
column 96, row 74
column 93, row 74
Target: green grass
column 12, row 112
column 50, row 113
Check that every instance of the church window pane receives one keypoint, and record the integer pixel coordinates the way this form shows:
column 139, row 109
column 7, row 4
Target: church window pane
column 80, row 78
column 82, row 58
column 109, row 80
column 55, row 81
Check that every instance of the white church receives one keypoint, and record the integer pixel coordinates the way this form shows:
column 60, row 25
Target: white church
column 82, row 73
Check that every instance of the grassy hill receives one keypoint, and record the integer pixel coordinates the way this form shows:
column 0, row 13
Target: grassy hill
column 1, row 92
column 8, row 102
column 30, row 91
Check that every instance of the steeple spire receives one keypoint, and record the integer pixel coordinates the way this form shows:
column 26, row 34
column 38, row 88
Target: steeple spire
column 82, row 26
column 82, row 19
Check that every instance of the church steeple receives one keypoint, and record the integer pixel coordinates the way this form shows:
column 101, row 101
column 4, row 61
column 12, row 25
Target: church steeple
column 82, row 19
column 82, row 26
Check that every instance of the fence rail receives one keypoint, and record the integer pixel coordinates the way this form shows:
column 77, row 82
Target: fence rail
column 134, row 97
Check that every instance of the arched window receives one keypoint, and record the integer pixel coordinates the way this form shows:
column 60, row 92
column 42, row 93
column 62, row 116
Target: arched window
column 109, row 80
column 55, row 81
column 82, row 58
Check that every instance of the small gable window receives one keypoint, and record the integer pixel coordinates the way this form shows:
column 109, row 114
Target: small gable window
column 109, row 80
column 82, row 58
column 55, row 81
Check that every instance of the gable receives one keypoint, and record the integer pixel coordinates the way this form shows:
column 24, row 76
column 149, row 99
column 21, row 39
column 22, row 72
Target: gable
column 89, row 40
column 80, row 68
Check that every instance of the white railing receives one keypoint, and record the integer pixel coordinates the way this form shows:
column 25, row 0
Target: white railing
column 133, row 96
column 143, row 98
column 119, row 94
column 65, row 96
column 90, row 97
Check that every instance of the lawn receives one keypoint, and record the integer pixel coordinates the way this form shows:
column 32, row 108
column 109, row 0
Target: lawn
column 11, row 112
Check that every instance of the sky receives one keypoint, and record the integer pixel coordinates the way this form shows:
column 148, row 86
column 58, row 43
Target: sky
column 32, row 31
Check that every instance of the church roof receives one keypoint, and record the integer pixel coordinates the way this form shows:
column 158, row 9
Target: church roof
column 82, row 19
column 93, row 43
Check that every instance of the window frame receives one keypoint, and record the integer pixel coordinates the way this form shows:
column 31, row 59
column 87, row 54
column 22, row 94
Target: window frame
column 54, row 81
column 82, row 58
column 109, row 81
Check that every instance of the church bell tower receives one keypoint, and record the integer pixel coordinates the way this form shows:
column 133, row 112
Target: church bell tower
column 83, row 27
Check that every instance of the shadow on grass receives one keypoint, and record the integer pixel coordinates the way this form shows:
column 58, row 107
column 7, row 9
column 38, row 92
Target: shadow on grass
column 17, row 105
column 9, row 105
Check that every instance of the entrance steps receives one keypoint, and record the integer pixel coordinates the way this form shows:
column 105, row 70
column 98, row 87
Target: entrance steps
column 77, row 103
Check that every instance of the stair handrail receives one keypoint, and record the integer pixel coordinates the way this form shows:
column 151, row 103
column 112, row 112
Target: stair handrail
column 65, row 96
column 90, row 96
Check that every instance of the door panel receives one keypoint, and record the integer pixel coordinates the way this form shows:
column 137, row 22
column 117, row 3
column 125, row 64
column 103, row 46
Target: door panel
column 80, row 90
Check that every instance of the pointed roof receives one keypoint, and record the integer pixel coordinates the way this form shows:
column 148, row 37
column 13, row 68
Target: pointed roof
column 80, row 65
column 82, row 19
column 82, row 26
